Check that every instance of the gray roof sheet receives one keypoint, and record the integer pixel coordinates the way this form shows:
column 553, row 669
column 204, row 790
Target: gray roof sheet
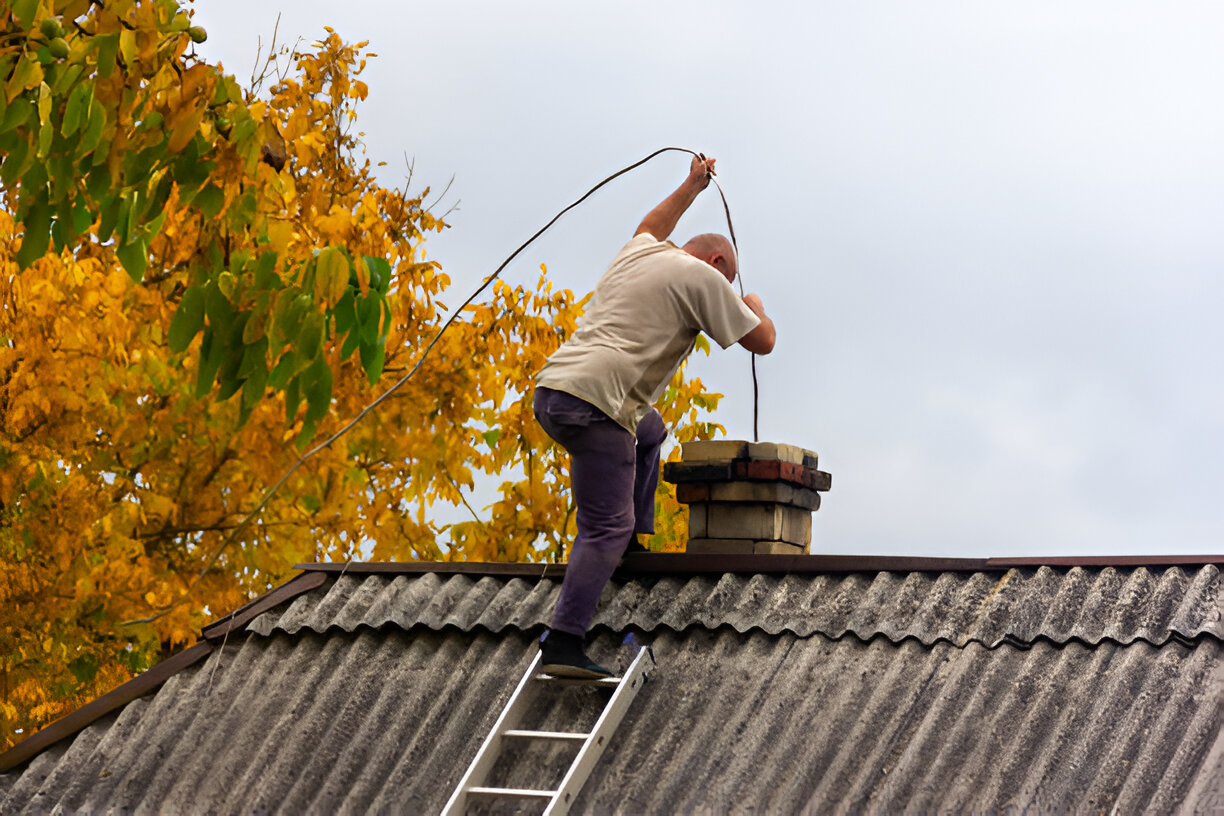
column 386, row 722
column 1077, row 689
column 1089, row 605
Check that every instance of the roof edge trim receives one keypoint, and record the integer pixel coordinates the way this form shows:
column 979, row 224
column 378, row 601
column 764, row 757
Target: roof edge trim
column 240, row 617
column 699, row 564
column 70, row 724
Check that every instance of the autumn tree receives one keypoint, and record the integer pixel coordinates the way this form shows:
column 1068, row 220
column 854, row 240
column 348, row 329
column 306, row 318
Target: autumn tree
column 196, row 283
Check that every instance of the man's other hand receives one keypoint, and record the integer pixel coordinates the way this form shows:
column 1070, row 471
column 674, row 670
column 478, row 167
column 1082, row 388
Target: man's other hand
column 761, row 339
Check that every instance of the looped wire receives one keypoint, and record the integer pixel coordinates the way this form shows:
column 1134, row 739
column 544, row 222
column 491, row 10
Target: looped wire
column 270, row 492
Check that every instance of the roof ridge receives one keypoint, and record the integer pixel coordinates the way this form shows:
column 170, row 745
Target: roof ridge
column 703, row 563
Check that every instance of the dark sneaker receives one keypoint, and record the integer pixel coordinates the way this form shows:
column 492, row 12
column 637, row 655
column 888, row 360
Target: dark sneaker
column 561, row 655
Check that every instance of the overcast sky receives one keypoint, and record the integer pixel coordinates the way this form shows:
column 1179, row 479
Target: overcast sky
column 991, row 237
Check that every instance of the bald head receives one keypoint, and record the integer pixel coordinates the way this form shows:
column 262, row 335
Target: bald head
column 715, row 250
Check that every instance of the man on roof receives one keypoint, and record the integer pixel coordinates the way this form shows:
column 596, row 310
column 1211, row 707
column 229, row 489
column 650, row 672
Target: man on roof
column 595, row 394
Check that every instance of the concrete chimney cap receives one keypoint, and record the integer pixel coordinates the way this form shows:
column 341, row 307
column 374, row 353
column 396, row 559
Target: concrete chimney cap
column 725, row 450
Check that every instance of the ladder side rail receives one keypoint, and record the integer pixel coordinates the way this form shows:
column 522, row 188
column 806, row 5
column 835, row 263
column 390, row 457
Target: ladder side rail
column 630, row 684
column 487, row 755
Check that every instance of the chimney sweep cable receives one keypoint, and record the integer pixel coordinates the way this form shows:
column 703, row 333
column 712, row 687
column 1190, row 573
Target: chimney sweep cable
column 271, row 491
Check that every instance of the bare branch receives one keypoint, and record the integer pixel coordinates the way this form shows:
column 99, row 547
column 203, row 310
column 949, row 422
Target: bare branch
column 442, row 195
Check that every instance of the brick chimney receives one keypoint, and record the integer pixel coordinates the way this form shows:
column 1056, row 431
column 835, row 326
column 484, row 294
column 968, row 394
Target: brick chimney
column 748, row 497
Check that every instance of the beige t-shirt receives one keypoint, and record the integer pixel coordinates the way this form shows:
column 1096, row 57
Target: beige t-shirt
column 647, row 311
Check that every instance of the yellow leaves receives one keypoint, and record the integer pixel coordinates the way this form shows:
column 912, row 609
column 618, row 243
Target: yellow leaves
column 146, row 46
column 197, row 84
column 280, row 233
column 27, row 74
column 164, row 81
column 336, row 227
column 183, row 124
column 369, row 211
column 157, row 508
column 295, row 123
column 181, row 630
column 116, row 283
column 90, row 300
column 8, row 485
column 186, row 110
column 44, row 103
column 127, row 46
column 363, row 276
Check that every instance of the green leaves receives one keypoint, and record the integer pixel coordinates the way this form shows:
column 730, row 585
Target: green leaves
column 187, row 321
column 373, row 356
column 380, row 273
column 77, row 110
column 24, row 11
column 16, row 114
column 286, row 367
column 210, row 200
column 315, row 384
column 135, row 258
column 310, row 339
column 232, row 313
column 37, row 233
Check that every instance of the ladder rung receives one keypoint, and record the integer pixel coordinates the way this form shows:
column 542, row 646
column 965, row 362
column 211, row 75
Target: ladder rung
column 606, row 682
column 523, row 793
column 554, row 735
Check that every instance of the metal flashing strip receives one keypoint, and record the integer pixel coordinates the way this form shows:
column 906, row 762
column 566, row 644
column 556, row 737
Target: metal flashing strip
column 510, row 569
column 300, row 584
column 714, row 564
column 680, row 564
column 1110, row 561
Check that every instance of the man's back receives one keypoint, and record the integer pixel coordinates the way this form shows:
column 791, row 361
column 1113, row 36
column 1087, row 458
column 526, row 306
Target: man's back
column 647, row 311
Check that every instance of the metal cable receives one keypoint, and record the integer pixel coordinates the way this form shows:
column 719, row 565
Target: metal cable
column 756, row 396
column 270, row 492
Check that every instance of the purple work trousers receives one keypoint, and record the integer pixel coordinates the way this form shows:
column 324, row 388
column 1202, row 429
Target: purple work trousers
column 614, row 475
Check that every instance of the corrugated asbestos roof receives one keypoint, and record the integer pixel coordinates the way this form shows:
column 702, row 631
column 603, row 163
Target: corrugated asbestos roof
column 1017, row 606
column 1051, row 690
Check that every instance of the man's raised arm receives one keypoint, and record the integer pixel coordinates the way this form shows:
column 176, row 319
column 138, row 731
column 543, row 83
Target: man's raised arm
column 660, row 221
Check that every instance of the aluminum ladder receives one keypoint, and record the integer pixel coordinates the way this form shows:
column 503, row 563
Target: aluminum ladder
column 505, row 731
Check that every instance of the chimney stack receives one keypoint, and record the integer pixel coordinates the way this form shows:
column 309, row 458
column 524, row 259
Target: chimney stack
column 748, row 497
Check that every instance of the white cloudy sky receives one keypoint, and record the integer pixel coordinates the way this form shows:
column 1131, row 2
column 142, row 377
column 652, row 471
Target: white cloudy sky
column 990, row 235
